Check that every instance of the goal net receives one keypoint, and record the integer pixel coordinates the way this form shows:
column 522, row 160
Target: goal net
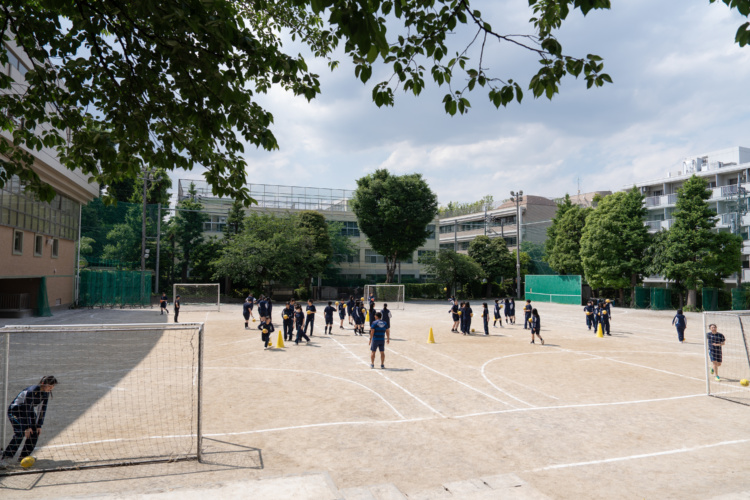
column 126, row 394
column 205, row 296
column 393, row 295
column 734, row 355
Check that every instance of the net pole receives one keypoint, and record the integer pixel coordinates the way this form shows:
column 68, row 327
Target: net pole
column 744, row 341
column 199, row 431
column 218, row 298
column 6, row 360
column 708, row 362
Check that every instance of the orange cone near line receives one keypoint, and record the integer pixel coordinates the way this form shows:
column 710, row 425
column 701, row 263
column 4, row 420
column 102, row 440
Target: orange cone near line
column 599, row 332
column 280, row 341
column 431, row 338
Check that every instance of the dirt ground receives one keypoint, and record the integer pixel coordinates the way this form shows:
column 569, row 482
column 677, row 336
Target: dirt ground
column 624, row 416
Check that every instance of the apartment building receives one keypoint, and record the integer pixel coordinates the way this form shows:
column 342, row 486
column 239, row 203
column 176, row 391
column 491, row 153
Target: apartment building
column 726, row 171
column 38, row 239
column 529, row 220
column 333, row 204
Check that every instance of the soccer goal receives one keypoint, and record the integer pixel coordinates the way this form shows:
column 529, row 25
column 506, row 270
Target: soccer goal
column 126, row 394
column 734, row 355
column 393, row 295
column 204, row 296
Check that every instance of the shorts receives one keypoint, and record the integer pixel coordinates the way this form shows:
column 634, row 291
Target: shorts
column 329, row 320
column 163, row 304
column 377, row 344
column 715, row 356
column 246, row 315
column 497, row 315
column 456, row 317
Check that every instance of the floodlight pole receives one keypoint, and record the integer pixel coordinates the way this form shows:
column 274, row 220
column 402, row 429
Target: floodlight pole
column 518, row 197
column 143, row 237
column 158, row 243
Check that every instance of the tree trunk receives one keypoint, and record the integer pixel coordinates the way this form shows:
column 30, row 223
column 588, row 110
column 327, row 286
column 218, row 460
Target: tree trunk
column 489, row 289
column 622, row 297
column 390, row 268
column 692, row 298
column 633, row 284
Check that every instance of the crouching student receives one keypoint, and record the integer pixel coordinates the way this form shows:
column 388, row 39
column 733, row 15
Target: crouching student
column 266, row 329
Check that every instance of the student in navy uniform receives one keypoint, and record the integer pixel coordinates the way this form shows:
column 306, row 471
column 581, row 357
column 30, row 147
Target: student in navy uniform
column 680, row 322
column 299, row 319
column 506, row 312
column 512, row 311
column 350, row 308
column 287, row 321
column 608, row 306
column 176, row 308
column 385, row 315
column 604, row 318
column 252, row 304
column 262, row 311
column 269, row 306
column 310, row 313
column 536, row 326
column 372, row 301
column 163, row 304
column 372, row 309
column 527, row 315
column 468, row 313
column 246, row 312
column 498, row 307
column 453, row 311
column 342, row 313
column 462, row 316
column 588, row 309
column 379, row 336
column 362, row 317
column 266, row 329
column 486, row 318
column 328, row 315
column 715, row 341
column 27, row 423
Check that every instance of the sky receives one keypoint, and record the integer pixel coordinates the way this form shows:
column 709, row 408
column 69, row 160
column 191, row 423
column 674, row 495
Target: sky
column 681, row 88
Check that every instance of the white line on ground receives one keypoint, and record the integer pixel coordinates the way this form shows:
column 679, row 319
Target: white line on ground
column 310, row 372
column 391, row 381
column 644, row 455
column 465, row 384
column 324, row 424
column 512, row 381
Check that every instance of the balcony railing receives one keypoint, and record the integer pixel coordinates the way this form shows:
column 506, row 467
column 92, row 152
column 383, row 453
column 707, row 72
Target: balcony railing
column 653, row 201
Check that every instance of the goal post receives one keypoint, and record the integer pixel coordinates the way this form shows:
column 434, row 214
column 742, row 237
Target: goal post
column 393, row 295
column 206, row 296
column 733, row 356
column 126, row 394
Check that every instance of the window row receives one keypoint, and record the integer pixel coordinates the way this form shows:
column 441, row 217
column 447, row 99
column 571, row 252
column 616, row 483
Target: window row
column 39, row 242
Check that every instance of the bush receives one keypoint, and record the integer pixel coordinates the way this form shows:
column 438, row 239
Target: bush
column 301, row 294
column 725, row 300
column 425, row 291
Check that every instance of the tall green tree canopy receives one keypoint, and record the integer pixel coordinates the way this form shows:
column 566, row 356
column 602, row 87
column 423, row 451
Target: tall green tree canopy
column 452, row 268
column 614, row 240
column 493, row 256
column 394, row 212
column 188, row 228
column 174, row 83
column 563, row 245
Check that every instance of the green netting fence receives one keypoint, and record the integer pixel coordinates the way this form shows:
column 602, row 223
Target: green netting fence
column 642, row 297
column 739, row 299
column 710, row 298
column 42, row 304
column 113, row 288
column 661, row 299
column 553, row 288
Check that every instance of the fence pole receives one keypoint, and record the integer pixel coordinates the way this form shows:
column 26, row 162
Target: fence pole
column 6, row 356
column 200, row 392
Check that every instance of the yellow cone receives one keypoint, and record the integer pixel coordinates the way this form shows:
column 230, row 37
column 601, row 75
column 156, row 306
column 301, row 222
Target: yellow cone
column 431, row 338
column 599, row 332
column 367, row 318
column 280, row 341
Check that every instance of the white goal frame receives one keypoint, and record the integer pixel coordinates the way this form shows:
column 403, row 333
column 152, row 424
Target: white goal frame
column 204, row 306
column 735, row 354
column 49, row 331
column 397, row 304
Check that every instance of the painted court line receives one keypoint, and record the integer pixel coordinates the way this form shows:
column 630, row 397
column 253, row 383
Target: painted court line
column 644, row 455
column 501, row 390
column 463, row 383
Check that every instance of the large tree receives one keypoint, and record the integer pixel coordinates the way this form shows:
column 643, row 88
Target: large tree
column 493, row 256
column 691, row 253
column 315, row 227
column 563, row 245
column 394, row 212
column 173, row 83
column 188, row 228
column 452, row 268
column 613, row 242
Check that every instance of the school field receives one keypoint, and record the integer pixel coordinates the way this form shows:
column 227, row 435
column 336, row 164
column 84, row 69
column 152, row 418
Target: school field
column 467, row 417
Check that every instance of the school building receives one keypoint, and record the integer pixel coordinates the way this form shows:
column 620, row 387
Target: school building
column 726, row 171
column 38, row 239
column 333, row 204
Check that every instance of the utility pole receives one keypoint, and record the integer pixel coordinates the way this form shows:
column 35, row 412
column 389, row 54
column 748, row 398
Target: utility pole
column 158, row 243
column 146, row 174
column 741, row 211
column 518, row 197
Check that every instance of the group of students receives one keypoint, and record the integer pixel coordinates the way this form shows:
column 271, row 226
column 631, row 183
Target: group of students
column 462, row 313
column 598, row 312
column 294, row 319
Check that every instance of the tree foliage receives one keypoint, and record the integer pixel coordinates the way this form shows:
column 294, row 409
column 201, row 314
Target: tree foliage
column 235, row 220
column 563, row 244
column 452, row 268
column 613, row 241
column 394, row 212
column 493, row 257
column 188, row 228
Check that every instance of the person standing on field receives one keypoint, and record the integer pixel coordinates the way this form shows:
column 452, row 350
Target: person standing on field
column 680, row 322
column 266, row 329
column 715, row 341
column 342, row 313
column 498, row 307
column 310, row 313
column 536, row 326
column 176, row 308
column 379, row 336
column 527, row 315
column 299, row 319
column 486, row 318
column 454, row 315
column 287, row 324
column 512, row 311
column 590, row 318
column 163, row 304
column 350, row 308
column 468, row 314
column 246, row 312
column 328, row 315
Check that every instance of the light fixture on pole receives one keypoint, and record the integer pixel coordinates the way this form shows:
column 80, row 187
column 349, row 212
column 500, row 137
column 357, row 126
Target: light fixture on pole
column 518, row 198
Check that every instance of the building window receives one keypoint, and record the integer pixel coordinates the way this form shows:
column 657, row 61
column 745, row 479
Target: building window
column 17, row 242
column 471, row 225
column 373, row 257
column 447, row 229
column 349, row 228
column 464, row 245
column 55, row 248
column 351, row 259
column 657, row 193
column 508, row 220
column 38, row 245
column 424, row 253
column 510, row 241
column 447, row 246
column 431, row 230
